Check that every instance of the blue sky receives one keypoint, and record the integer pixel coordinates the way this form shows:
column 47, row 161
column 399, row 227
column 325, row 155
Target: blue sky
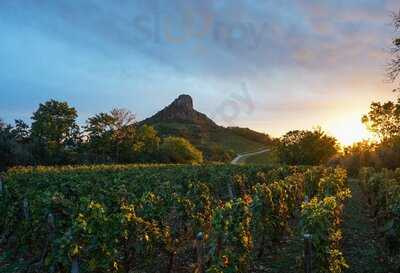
column 269, row 65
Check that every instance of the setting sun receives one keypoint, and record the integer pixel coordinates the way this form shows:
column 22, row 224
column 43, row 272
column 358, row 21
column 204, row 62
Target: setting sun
column 348, row 130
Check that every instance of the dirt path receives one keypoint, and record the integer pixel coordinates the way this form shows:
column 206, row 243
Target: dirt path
column 360, row 238
column 241, row 157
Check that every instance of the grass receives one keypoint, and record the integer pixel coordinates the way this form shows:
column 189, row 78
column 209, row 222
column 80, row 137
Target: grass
column 362, row 243
column 202, row 136
column 238, row 144
column 267, row 158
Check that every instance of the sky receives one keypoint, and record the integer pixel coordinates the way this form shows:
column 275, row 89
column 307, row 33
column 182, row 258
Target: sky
column 269, row 65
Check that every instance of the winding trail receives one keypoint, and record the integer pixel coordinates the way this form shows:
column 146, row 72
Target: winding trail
column 361, row 243
column 241, row 157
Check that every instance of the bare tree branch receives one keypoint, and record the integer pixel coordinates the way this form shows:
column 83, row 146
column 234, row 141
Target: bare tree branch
column 393, row 67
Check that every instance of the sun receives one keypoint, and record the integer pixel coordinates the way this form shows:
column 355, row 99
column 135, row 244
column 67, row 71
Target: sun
column 348, row 130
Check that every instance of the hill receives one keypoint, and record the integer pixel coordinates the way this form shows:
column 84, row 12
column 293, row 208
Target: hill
column 218, row 143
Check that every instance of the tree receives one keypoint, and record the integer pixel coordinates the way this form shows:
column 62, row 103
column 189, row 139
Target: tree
column 217, row 153
column 100, row 131
column 122, row 118
column 393, row 70
column 116, row 137
column 179, row 150
column 388, row 153
column 7, row 142
column 358, row 155
column 148, row 144
column 54, row 130
column 21, row 131
column 306, row 147
column 124, row 134
column 112, row 136
column 2, row 124
column 15, row 148
column 383, row 119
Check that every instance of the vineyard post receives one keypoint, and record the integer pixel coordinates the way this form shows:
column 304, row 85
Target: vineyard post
column 51, row 229
column 1, row 186
column 51, row 225
column 75, row 265
column 307, row 253
column 200, row 253
column 230, row 190
column 173, row 219
column 25, row 208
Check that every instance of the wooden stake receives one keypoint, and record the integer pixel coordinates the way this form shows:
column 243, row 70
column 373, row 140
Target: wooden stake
column 307, row 253
column 25, row 208
column 230, row 191
column 200, row 253
column 75, row 265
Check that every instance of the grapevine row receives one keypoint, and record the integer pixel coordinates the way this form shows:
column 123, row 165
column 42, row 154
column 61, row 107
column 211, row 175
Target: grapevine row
column 382, row 189
column 158, row 217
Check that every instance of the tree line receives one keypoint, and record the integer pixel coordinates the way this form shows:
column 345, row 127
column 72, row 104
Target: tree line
column 55, row 138
column 383, row 120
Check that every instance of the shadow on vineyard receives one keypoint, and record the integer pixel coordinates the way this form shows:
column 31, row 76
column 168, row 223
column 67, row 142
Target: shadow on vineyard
column 363, row 247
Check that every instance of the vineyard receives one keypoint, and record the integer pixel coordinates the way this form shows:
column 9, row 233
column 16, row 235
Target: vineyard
column 382, row 190
column 168, row 218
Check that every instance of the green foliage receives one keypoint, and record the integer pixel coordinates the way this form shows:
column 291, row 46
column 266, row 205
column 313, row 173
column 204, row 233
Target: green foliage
column 99, row 129
column 216, row 143
column 268, row 158
column 321, row 217
column 148, row 144
column 252, row 135
column 358, row 155
column 217, row 153
column 306, row 148
column 388, row 153
column 179, row 150
column 15, row 147
column 55, row 122
column 385, row 154
column 121, row 218
column 230, row 237
column 55, row 131
column 116, row 137
column 383, row 193
column 383, row 119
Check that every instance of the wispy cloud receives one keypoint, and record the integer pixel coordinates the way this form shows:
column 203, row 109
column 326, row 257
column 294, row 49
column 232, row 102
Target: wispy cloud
column 101, row 54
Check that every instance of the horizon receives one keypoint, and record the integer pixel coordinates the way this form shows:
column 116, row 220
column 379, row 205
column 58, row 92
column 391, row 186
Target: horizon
column 368, row 135
column 271, row 67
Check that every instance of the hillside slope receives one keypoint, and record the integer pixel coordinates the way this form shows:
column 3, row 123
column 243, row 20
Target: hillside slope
column 216, row 142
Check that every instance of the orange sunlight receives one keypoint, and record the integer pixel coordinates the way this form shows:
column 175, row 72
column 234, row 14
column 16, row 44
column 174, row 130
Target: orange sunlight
column 348, row 130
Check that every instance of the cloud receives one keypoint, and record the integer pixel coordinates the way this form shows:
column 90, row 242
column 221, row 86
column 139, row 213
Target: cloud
column 101, row 54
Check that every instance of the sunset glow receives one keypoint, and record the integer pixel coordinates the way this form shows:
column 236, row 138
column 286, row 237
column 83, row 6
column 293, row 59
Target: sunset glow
column 348, row 131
